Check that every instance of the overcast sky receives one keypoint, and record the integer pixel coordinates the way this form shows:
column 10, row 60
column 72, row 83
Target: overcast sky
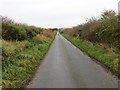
column 55, row 13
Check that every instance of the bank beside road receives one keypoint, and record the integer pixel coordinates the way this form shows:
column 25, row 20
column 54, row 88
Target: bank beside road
column 21, row 59
column 107, row 57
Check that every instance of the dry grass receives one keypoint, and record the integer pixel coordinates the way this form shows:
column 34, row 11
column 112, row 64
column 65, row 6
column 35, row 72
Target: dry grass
column 8, row 83
column 42, row 37
column 47, row 34
column 11, row 47
column 5, row 42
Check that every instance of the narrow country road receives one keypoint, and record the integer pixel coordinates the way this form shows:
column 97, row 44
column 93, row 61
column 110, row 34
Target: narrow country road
column 65, row 66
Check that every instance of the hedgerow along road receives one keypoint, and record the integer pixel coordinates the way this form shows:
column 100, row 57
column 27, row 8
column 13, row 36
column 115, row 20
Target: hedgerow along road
column 65, row 66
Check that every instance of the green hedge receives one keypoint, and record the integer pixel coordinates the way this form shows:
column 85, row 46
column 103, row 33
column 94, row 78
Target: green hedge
column 101, row 30
column 18, row 32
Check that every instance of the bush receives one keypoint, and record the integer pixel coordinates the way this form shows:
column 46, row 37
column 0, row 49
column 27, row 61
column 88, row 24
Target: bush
column 103, row 30
column 20, row 32
column 12, row 32
column 47, row 34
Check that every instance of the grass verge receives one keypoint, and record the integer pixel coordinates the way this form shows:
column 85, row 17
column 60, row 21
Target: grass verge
column 107, row 56
column 20, row 59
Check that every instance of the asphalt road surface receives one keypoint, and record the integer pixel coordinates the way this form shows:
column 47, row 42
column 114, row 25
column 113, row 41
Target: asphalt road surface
column 65, row 66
